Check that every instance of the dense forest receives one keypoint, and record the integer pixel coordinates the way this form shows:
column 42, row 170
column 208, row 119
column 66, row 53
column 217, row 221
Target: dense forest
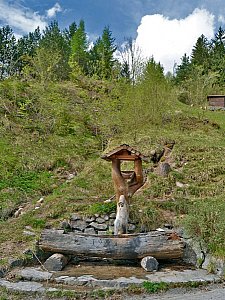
column 65, row 100
column 57, row 55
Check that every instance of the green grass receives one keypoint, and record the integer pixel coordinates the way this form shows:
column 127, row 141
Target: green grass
column 65, row 129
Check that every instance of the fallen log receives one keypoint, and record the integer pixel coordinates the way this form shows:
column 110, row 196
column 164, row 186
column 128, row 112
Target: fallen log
column 161, row 245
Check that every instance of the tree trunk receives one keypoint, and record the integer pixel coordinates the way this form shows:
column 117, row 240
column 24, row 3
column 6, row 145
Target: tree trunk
column 161, row 245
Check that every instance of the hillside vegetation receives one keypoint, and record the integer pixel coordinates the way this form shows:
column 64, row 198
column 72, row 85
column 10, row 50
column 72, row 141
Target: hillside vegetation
column 55, row 129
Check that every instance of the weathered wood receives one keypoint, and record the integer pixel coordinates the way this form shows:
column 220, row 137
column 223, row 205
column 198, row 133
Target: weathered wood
column 122, row 213
column 124, row 157
column 161, row 245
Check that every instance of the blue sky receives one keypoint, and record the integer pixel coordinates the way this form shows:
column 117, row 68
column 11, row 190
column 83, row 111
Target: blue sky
column 160, row 27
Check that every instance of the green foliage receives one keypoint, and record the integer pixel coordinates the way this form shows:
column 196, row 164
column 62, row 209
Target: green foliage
column 66, row 294
column 79, row 51
column 201, row 52
column 102, row 294
column 101, row 55
column 155, row 287
column 34, row 222
column 205, row 220
column 102, row 208
column 8, row 53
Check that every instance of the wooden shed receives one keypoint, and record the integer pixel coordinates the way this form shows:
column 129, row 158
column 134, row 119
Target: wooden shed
column 216, row 100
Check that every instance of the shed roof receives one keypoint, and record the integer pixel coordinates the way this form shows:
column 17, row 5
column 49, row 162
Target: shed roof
column 215, row 96
column 124, row 152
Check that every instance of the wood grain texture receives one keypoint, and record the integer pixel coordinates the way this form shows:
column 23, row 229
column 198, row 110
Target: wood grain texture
column 161, row 245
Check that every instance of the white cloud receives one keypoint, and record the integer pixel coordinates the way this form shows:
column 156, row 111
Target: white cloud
column 22, row 19
column 221, row 19
column 167, row 40
column 52, row 11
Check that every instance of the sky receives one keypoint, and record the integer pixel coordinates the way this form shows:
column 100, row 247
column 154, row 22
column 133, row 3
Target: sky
column 164, row 29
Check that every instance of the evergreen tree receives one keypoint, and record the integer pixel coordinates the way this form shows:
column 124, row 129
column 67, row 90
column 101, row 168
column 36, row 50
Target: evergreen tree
column 183, row 70
column 125, row 71
column 8, row 53
column 69, row 33
column 153, row 72
column 200, row 53
column 54, row 44
column 79, row 50
column 217, row 57
column 102, row 55
column 26, row 49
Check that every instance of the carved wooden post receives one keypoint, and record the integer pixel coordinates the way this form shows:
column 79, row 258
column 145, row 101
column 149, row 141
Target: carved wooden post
column 126, row 183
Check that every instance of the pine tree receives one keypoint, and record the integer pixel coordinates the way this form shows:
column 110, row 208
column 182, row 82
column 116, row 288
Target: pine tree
column 26, row 49
column 8, row 53
column 79, row 50
column 54, row 44
column 217, row 54
column 69, row 33
column 200, row 53
column 183, row 70
column 102, row 55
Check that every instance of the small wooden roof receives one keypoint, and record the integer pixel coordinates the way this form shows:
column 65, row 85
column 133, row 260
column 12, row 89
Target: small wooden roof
column 124, row 152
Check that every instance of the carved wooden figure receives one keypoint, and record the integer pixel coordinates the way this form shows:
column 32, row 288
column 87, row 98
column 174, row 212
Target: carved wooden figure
column 126, row 183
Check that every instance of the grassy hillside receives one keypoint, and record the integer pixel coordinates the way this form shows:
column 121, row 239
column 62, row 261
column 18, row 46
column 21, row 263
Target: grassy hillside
column 52, row 138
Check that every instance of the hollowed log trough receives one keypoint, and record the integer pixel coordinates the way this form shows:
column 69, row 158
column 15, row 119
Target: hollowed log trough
column 161, row 245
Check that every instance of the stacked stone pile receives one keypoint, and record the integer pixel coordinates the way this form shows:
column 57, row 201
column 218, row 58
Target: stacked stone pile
column 96, row 224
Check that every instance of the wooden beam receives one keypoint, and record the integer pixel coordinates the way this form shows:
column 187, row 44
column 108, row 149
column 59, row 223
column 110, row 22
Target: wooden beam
column 124, row 157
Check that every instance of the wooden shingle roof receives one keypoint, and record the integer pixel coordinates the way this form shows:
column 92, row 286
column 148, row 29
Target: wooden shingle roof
column 124, row 152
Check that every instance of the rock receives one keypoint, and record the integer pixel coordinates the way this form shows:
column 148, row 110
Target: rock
column 112, row 216
column 77, row 231
column 75, row 217
column 70, row 176
column 106, row 218
column 103, row 232
column 111, row 229
column 28, row 233
column 89, row 231
column 160, row 229
column 18, row 212
column 89, row 219
column 35, row 274
column 22, row 286
column 100, row 220
column 190, row 256
column 131, row 228
column 56, row 262
column 78, row 224
column 41, row 200
column 168, row 226
column 179, row 184
column 13, row 263
column 108, row 201
column 2, row 272
column 111, row 222
column 149, row 264
column 65, row 225
column 99, row 226
column 163, row 169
